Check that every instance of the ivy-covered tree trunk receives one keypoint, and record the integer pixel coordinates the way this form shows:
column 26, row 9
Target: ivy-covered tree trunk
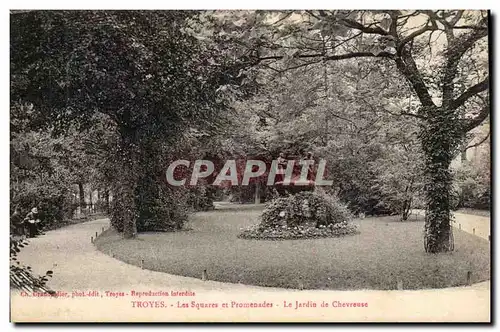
column 439, row 138
column 126, row 207
column 127, row 180
column 146, row 200
column 129, row 210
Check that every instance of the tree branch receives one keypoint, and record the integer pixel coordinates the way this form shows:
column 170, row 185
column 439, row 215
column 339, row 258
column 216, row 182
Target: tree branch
column 454, row 53
column 415, row 34
column 473, row 90
column 305, row 64
column 457, row 18
column 469, row 27
column 473, row 123
column 366, row 29
column 407, row 66
column 358, row 55
column 384, row 110
column 478, row 143
column 283, row 18
column 331, row 57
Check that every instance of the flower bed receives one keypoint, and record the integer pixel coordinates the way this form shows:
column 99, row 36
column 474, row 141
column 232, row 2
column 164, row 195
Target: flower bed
column 299, row 232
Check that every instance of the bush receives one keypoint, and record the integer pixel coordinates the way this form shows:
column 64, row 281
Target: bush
column 201, row 198
column 54, row 205
column 473, row 187
column 303, row 215
column 299, row 232
column 311, row 208
column 161, row 209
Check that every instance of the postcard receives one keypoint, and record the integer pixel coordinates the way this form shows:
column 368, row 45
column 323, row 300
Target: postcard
column 250, row 166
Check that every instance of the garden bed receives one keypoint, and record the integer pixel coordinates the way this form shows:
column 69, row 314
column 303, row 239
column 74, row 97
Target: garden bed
column 299, row 232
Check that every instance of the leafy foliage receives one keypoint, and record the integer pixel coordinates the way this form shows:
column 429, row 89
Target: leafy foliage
column 299, row 232
column 21, row 276
column 142, row 70
column 399, row 170
column 473, row 182
column 305, row 214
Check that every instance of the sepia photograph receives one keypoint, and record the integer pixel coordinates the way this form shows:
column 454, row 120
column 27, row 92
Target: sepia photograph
column 314, row 165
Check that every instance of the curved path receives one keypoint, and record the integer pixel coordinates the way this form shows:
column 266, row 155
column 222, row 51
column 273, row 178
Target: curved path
column 79, row 266
column 473, row 224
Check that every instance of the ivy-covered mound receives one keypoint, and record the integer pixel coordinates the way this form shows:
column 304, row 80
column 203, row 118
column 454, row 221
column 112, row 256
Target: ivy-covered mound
column 303, row 215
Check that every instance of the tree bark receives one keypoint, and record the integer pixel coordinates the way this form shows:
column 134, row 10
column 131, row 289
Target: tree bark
column 439, row 138
column 81, row 197
column 257, row 192
column 406, row 210
column 127, row 182
column 129, row 212
column 106, row 199
column 91, row 204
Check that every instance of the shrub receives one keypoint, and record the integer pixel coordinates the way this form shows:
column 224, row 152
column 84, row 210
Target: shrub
column 299, row 232
column 311, row 208
column 54, row 205
column 473, row 186
column 158, row 208
column 303, row 215
column 201, row 198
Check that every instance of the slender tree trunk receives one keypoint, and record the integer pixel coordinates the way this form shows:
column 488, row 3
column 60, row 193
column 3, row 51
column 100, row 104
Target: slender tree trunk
column 106, row 199
column 406, row 209
column 91, row 204
column 404, row 212
column 257, row 192
column 99, row 200
column 81, row 197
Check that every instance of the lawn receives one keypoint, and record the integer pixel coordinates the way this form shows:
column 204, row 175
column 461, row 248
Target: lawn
column 386, row 250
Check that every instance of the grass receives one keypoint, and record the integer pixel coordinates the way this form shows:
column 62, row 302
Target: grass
column 383, row 252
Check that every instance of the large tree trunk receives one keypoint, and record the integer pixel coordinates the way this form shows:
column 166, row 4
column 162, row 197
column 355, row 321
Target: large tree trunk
column 124, row 193
column 127, row 183
column 129, row 212
column 439, row 137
